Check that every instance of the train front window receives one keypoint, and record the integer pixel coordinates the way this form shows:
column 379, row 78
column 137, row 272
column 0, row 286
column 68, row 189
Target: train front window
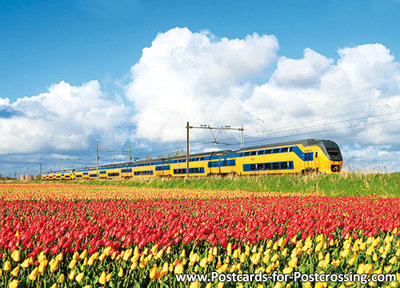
column 334, row 152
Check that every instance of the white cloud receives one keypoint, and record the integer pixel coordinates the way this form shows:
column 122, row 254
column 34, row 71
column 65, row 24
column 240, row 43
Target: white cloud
column 65, row 118
column 187, row 76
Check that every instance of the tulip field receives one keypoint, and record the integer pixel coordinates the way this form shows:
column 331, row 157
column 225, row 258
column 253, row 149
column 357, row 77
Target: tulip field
column 59, row 235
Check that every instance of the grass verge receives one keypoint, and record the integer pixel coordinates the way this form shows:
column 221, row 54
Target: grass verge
column 350, row 184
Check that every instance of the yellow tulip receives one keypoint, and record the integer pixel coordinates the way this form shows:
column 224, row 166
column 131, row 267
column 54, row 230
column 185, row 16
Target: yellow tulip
column 387, row 269
column 61, row 278
column 13, row 284
column 7, row 266
column 203, row 262
column 226, row 260
column 54, row 285
column 195, row 284
column 194, row 258
column 121, row 272
column 229, row 249
column 164, row 270
column 102, row 279
column 344, row 253
column 232, row 269
column 215, row 251
column 183, row 253
column 307, row 285
column 15, row 271
column 236, row 253
column 218, row 264
column 25, row 264
column 223, row 268
column 153, row 272
column 83, row 254
column 178, row 269
column 79, row 277
column 42, row 266
column 108, row 278
column 159, row 254
column 15, row 255
column 96, row 256
column 60, row 256
column 293, row 262
column 71, row 275
column 41, row 257
column 242, row 258
column 393, row 260
column 265, row 259
column 91, row 261
column 1, row 272
column 108, row 250
column 360, row 269
column 133, row 266
column 275, row 257
column 72, row 264
column 54, row 266
column 352, row 259
column 103, row 256
column 287, row 270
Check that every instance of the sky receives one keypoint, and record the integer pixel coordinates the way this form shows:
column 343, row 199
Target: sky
column 74, row 74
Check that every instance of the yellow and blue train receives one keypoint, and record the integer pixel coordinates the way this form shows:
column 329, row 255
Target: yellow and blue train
column 304, row 156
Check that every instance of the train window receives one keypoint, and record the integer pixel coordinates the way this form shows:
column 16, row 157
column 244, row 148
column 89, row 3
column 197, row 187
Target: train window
column 334, row 152
column 275, row 150
column 261, row 152
column 290, row 165
column 246, row 153
column 252, row 167
column 267, row 166
column 268, row 151
column 253, row 153
column 284, row 149
column 275, row 166
column 225, row 163
column 290, row 149
column 284, row 165
column 316, row 154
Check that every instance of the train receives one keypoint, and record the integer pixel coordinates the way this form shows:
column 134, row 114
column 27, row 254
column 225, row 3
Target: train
column 294, row 157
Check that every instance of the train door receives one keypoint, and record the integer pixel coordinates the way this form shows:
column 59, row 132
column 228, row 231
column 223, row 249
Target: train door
column 307, row 160
column 208, row 165
column 316, row 161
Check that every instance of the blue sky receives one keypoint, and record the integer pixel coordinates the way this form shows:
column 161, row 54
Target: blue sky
column 57, row 48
